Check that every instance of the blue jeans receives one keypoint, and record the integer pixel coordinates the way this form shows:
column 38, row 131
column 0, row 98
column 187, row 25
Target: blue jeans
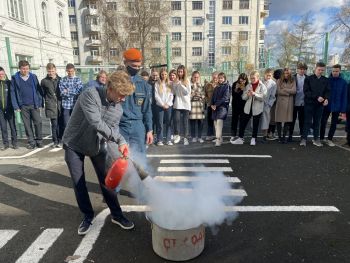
column 313, row 114
column 75, row 163
column 324, row 120
column 134, row 133
column 199, row 128
column 163, row 123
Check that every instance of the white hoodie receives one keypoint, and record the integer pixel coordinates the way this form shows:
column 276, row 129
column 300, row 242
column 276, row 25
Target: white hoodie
column 166, row 97
column 182, row 95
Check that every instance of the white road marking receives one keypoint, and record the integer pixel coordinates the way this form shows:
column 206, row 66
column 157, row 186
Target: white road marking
column 194, row 169
column 230, row 192
column 6, row 235
column 207, row 156
column 27, row 154
column 55, row 150
column 90, row 238
column 195, row 161
column 40, row 246
column 145, row 208
column 179, row 179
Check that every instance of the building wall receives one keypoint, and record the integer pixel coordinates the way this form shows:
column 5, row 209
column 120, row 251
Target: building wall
column 255, row 13
column 28, row 37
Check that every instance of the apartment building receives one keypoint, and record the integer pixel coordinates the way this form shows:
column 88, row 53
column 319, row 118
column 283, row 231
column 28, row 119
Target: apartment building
column 203, row 34
column 34, row 30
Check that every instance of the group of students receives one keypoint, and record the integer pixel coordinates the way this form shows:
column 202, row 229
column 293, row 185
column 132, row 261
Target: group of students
column 273, row 103
column 27, row 96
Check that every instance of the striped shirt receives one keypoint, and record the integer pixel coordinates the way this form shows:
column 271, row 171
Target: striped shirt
column 70, row 88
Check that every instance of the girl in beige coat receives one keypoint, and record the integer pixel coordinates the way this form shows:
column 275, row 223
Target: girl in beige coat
column 286, row 88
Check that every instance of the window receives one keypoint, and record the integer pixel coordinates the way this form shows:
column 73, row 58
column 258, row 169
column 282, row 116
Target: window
column 71, row 3
column 154, row 5
column 227, row 5
column 134, row 37
column 94, row 52
column 72, row 20
column 243, row 35
column 156, row 52
column 211, row 29
column 60, row 22
column 197, row 5
column 92, row 5
column 131, row 6
column 94, row 36
column 211, row 45
column 243, row 4
column 211, row 60
column 196, row 66
column 175, row 5
column 176, row 52
column 176, row 36
column 243, row 50
column 226, row 35
column 227, row 20
column 243, row 20
column 197, row 36
column 114, row 52
column 196, row 51
column 226, row 50
column 155, row 20
column 262, row 35
column 92, row 20
column 16, row 9
column 176, row 21
column 155, row 36
column 74, row 35
column 112, row 6
column 197, row 21
column 20, row 57
column 226, row 66
column 44, row 15
column 75, row 51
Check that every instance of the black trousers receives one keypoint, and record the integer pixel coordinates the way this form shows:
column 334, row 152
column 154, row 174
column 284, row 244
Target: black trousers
column 8, row 117
column 75, row 162
column 298, row 112
column 210, row 122
column 244, row 121
column 324, row 120
column 31, row 115
column 237, row 114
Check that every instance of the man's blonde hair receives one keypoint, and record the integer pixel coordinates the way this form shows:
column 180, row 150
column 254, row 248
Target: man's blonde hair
column 120, row 81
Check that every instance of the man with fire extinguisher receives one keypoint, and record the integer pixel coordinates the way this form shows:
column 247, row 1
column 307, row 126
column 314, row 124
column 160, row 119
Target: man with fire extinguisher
column 93, row 122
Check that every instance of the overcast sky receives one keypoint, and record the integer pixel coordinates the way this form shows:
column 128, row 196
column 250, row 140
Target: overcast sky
column 285, row 13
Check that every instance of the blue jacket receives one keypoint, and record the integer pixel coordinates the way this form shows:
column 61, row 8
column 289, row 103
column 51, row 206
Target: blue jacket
column 93, row 83
column 137, row 106
column 15, row 92
column 221, row 98
column 338, row 95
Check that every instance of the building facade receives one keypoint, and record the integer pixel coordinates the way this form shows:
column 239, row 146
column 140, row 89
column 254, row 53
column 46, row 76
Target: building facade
column 221, row 34
column 36, row 31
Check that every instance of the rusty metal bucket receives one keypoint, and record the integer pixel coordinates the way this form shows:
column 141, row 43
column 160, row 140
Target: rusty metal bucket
column 178, row 245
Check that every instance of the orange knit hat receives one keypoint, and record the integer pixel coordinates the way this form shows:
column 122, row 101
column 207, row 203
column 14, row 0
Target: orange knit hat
column 132, row 54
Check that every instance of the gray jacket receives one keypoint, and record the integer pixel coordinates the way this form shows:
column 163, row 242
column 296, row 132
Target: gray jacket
column 93, row 121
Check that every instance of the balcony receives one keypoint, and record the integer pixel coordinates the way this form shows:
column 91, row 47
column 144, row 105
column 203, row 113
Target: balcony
column 92, row 11
column 93, row 28
column 94, row 59
column 93, row 43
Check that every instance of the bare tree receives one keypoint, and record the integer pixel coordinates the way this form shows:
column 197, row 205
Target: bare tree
column 341, row 23
column 233, row 53
column 135, row 23
column 288, row 47
column 304, row 37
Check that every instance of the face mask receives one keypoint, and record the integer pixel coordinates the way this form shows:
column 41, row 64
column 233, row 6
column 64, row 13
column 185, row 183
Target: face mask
column 132, row 71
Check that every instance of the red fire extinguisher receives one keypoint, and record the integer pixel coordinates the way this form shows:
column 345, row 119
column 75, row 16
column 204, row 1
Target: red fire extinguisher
column 117, row 171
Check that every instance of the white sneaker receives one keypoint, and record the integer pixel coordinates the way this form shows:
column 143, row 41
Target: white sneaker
column 177, row 139
column 209, row 138
column 169, row 143
column 253, row 142
column 330, row 143
column 186, row 141
column 160, row 143
column 194, row 139
column 232, row 139
column 317, row 143
column 218, row 142
column 238, row 141
column 303, row 142
column 214, row 141
column 200, row 140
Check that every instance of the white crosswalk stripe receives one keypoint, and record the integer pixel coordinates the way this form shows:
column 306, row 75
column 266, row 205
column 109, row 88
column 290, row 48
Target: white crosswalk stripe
column 195, row 161
column 172, row 169
column 40, row 246
column 184, row 179
column 6, row 235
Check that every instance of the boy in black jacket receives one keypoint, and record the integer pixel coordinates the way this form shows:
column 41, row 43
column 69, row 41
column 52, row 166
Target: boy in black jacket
column 6, row 112
column 316, row 94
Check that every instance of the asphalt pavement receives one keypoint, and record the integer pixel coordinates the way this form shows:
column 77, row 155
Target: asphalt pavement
column 295, row 206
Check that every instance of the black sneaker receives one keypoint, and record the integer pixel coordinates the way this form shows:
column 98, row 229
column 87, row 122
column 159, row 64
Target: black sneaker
column 39, row 145
column 15, row 146
column 30, row 146
column 5, row 148
column 123, row 222
column 84, row 226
